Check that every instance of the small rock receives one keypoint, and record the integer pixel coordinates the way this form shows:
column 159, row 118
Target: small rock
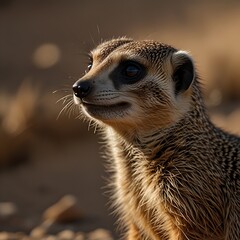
column 4, row 236
column 100, row 234
column 28, row 238
column 65, row 210
column 7, row 209
column 50, row 237
column 79, row 236
column 11, row 236
column 66, row 235
column 38, row 232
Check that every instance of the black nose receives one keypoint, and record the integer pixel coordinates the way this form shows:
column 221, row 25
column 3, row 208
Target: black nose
column 82, row 88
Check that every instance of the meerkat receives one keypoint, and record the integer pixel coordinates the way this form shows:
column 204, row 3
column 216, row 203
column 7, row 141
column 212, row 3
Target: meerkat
column 175, row 174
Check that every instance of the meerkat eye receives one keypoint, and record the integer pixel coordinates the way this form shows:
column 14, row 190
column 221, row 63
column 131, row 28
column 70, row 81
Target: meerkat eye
column 89, row 66
column 131, row 70
column 128, row 72
column 90, row 63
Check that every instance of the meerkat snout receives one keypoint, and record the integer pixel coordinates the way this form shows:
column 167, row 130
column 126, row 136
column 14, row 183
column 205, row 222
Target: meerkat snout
column 82, row 88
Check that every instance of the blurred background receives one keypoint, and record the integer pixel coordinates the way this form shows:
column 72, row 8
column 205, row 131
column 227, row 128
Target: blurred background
column 43, row 47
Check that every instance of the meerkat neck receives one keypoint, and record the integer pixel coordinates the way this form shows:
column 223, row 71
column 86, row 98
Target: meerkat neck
column 195, row 120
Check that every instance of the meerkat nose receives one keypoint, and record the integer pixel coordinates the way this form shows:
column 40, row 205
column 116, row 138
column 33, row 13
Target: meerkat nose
column 82, row 88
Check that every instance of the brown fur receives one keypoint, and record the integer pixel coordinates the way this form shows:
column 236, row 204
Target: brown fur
column 175, row 175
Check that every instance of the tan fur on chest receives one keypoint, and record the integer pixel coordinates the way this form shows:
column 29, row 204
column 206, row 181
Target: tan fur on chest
column 140, row 203
column 149, row 217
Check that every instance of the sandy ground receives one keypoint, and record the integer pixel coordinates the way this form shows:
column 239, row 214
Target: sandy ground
column 56, row 168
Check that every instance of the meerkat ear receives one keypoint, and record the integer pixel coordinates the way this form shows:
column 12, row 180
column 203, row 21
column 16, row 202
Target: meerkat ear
column 183, row 71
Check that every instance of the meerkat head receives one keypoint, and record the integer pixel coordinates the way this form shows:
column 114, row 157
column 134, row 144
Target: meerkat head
column 136, row 84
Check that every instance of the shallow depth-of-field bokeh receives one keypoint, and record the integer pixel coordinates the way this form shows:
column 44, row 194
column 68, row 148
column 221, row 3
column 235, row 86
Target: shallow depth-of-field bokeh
column 43, row 47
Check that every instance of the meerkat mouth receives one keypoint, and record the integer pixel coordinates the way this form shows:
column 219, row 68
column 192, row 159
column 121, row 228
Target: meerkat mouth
column 106, row 111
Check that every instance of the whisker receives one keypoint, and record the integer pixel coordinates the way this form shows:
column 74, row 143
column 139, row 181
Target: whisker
column 62, row 90
column 81, row 116
column 89, row 124
column 100, row 40
column 92, row 124
column 64, row 98
column 95, row 128
column 92, row 38
column 68, row 85
column 98, row 30
column 85, row 54
column 72, row 109
column 69, row 110
column 64, row 108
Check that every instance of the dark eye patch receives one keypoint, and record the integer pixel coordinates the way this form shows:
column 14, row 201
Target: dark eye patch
column 128, row 72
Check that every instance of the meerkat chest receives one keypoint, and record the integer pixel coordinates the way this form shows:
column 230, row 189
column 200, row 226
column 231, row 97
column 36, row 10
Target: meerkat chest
column 139, row 199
